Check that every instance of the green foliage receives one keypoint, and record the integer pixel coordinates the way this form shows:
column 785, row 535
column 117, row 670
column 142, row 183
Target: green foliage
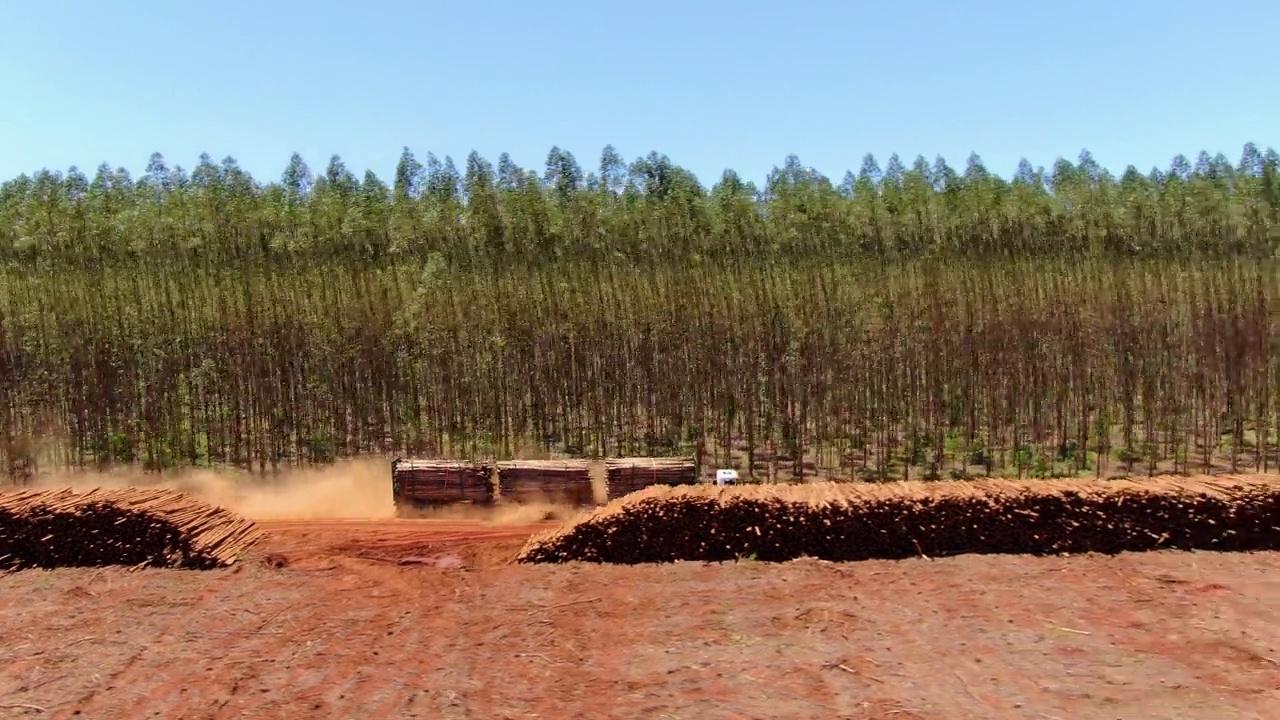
column 1030, row 368
column 651, row 211
column 911, row 319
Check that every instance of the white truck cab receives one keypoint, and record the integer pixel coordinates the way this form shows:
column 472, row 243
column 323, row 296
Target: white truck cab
column 726, row 477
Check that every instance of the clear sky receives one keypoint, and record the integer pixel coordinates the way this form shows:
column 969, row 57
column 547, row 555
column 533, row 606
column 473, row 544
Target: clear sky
column 710, row 83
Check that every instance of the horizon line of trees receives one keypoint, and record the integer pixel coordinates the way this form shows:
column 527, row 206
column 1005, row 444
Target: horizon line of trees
column 648, row 211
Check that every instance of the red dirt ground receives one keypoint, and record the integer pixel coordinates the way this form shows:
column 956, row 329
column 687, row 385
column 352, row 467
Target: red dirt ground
column 427, row 619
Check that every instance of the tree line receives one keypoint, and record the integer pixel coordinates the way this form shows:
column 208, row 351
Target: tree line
column 647, row 211
column 926, row 369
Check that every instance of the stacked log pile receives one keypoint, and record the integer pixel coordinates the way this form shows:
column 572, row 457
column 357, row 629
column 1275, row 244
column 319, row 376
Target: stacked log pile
column 624, row 476
column 564, row 482
column 132, row 526
column 439, row 482
column 899, row 520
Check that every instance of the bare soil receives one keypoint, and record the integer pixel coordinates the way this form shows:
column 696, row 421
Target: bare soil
column 429, row 619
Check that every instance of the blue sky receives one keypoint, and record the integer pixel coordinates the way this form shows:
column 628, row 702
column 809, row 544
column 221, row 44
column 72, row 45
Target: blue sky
column 712, row 84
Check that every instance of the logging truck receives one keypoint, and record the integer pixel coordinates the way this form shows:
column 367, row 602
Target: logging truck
column 421, row 484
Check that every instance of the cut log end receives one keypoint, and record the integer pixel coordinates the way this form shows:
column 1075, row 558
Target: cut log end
column 850, row 521
column 133, row 527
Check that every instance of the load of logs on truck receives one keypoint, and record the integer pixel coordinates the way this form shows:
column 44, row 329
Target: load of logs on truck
column 421, row 484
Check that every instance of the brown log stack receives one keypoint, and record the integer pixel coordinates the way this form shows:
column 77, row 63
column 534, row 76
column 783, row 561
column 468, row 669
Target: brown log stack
column 129, row 526
column 439, row 482
column 624, row 476
column 851, row 521
column 566, row 482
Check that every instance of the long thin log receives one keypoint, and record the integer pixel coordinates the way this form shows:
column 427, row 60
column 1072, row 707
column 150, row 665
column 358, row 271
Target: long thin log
column 128, row 526
column 842, row 521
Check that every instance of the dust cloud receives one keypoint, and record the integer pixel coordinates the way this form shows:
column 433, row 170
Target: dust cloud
column 353, row 489
column 357, row 489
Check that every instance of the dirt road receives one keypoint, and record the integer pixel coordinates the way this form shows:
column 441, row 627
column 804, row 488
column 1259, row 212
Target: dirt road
column 475, row 544
column 427, row 619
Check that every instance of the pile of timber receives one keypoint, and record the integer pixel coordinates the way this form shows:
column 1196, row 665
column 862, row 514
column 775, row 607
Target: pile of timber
column 851, row 521
column 440, row 482
column 624, row 476
column 140, row 527
column 562, row 482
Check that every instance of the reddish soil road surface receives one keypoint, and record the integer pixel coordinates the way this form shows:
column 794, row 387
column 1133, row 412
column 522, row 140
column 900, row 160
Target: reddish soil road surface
column 427, row 619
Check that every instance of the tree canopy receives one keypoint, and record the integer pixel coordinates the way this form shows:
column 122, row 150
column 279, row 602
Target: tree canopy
column 651, row 210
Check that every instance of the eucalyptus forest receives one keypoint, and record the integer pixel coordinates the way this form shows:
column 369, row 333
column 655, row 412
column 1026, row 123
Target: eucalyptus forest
column 917, row 320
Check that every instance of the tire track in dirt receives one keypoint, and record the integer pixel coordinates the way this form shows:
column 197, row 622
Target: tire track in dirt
column 539, row 638
column 377, row 614
column 865, row 660
column 253, row 649
column 993, row 674
column 220, row 653
column 137, row 681
column 439, row 680
column 1042, row 643
column 429, row 606
column 721, row 654
column 273, row 678
column 1205, row 618
column 420, row 625
column 996, row 671
column 237, row 655
column 86, row 655
column 393, row 694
